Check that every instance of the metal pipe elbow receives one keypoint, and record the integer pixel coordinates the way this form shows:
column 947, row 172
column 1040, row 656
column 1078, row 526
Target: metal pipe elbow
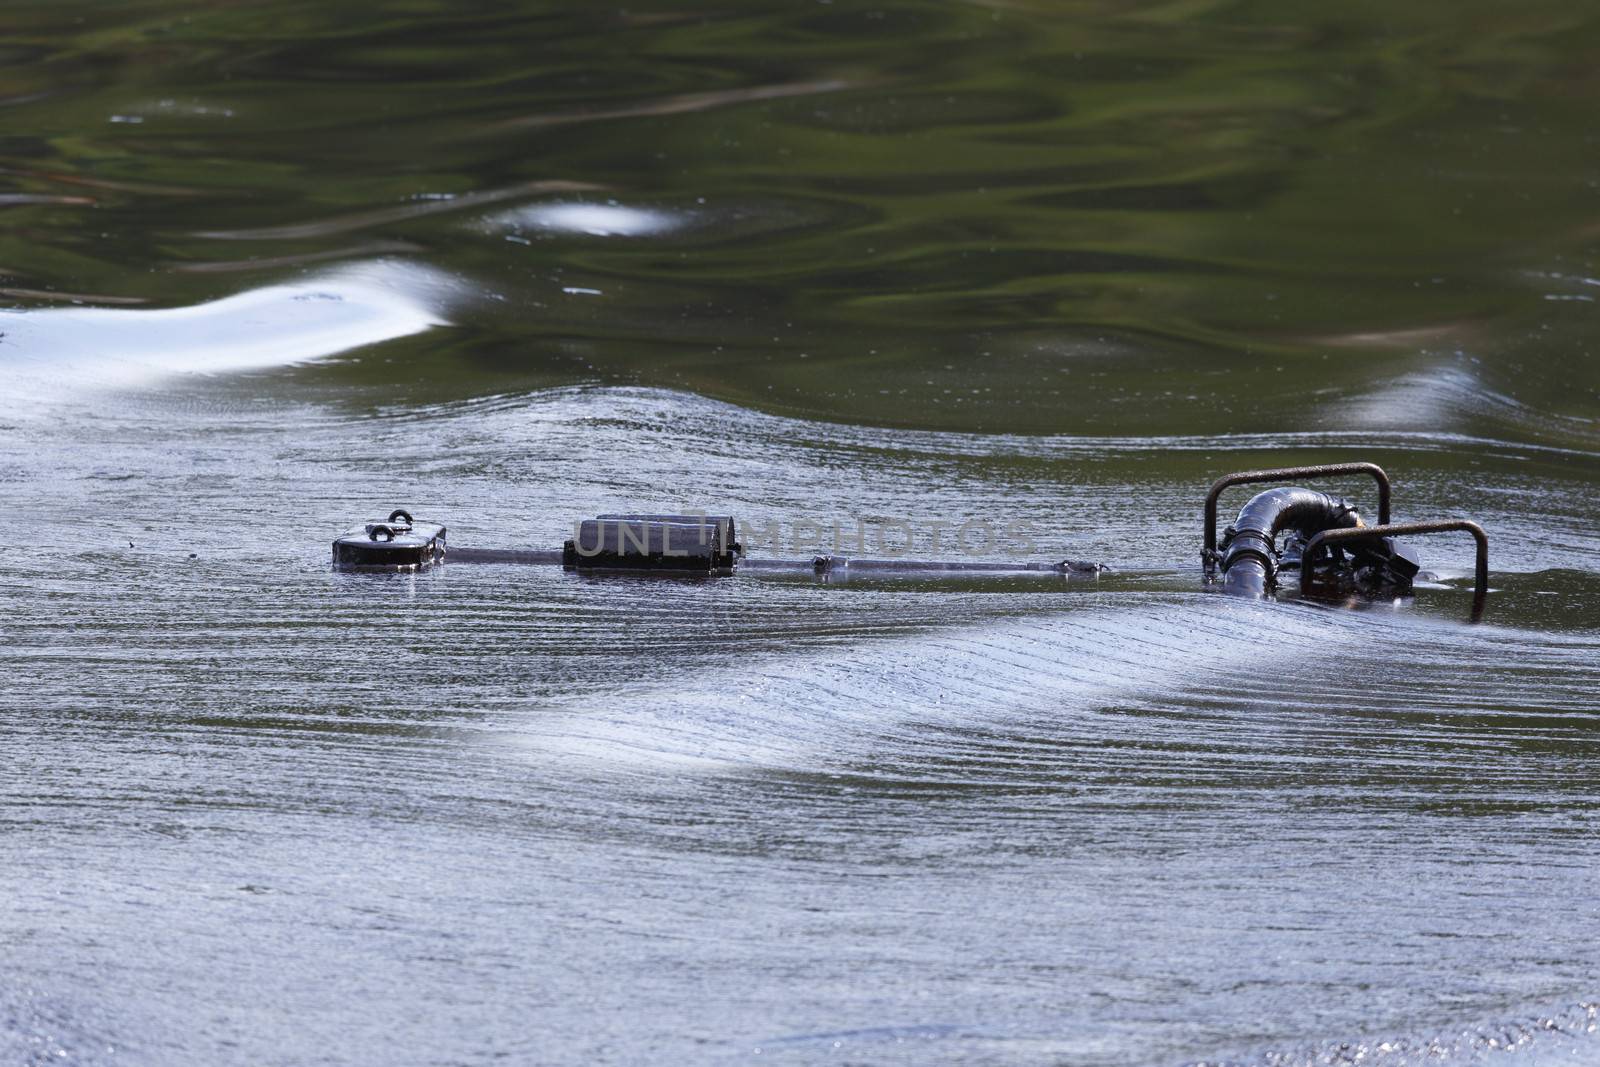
column 1249, row 557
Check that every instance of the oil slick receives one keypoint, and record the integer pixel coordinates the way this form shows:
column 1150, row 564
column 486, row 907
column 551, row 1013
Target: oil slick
column 51, row 351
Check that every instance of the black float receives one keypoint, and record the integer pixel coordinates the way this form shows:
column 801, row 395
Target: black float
column 397, row 544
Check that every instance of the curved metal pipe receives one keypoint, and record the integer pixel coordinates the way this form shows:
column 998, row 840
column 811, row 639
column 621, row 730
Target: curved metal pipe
column 1250, row 562
column 1287, row 474
column 1480, row 590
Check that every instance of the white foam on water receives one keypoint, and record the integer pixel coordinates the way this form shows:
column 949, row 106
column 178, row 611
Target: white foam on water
column 59, row 350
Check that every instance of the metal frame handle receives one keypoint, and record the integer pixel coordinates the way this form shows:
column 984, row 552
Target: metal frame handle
column 1289, row 474
column 1365, row 533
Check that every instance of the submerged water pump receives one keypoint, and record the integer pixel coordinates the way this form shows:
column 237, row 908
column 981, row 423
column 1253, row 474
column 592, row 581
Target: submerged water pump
column 1324, row 540
column 1320, row 542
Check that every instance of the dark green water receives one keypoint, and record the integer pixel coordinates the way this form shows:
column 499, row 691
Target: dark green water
column 273, row 269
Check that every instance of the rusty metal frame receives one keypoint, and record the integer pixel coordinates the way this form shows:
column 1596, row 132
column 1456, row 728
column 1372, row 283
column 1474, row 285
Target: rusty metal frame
column 1289, row 474
column 1401, row 529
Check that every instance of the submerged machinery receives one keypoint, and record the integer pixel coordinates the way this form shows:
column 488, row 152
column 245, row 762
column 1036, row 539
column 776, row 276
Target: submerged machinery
column 1321, row 540
column 1286, row 540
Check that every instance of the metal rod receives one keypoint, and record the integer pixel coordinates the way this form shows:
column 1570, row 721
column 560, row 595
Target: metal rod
column 1287, row 474
column 1401, row 529
column 503, row 555
column 813, row 565
column 825, row 564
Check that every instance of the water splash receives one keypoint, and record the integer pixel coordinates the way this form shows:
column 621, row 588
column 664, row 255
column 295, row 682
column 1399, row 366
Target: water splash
column 51, row 351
